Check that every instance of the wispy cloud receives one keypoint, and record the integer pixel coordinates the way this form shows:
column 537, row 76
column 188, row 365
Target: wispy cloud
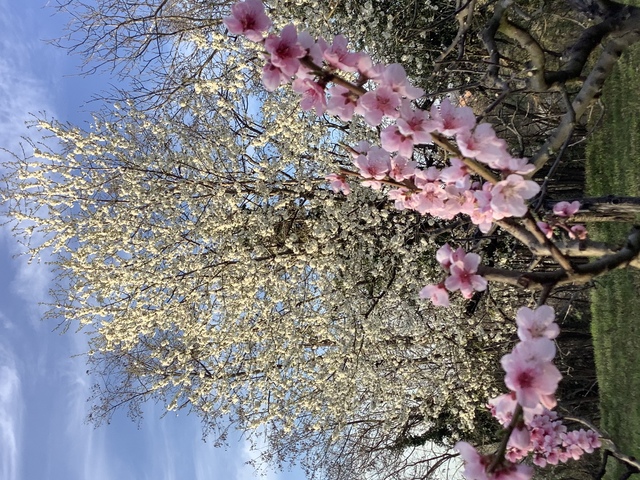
column 85, row 446
column 11, row 410
column 23, row 90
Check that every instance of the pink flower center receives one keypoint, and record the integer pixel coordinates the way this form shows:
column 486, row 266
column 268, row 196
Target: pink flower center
column 525, row 379
column 249, row 23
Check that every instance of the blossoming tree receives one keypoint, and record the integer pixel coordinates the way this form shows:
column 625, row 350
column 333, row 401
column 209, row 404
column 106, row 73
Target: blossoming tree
column 259, row 258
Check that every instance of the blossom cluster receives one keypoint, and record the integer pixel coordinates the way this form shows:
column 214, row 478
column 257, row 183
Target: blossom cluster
column 462, row 268
column 562, row 211
column 550, row 442
column 312, row 65
column 533, row 380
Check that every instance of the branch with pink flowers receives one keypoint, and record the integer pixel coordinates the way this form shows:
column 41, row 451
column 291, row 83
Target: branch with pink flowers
column 481, row 181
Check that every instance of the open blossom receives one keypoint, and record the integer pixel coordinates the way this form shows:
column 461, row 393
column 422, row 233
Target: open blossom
column 450, row 120
column 446, row 256
column 249, row 19
column 508, row 196
column 481, row 143
column 536, row 323
column 378, row 103
column 341, row 102
column 482, row 213
column 393, row 140
column 339, row 183
column 530, row 373
column 430, row 199
column 272, row 77
column 401, row 198
column 374, row 165
column 463, row 276
column 285, row 50
column 395, row 77
column 566, row 209
column 476, row 466
column 339, row 57
column 415, row 123
column 437, row 294
column 312, row 95
column 402, row 168
column 455, row 173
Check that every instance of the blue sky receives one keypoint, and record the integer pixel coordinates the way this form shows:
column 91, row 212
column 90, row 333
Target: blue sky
column 43, row 381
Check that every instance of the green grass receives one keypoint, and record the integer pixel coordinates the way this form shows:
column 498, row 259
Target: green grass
column 613, row 167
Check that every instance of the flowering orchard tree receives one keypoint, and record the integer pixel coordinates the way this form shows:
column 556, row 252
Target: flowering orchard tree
column 247, row 234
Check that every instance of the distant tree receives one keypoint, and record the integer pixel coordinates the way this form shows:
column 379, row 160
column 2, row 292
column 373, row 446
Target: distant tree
column 216, row 276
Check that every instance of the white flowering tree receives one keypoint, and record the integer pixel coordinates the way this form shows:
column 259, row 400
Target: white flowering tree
column 219, row 276
column 198, row 241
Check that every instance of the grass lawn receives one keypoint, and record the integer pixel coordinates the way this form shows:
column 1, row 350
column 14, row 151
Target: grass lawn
column 613, row 167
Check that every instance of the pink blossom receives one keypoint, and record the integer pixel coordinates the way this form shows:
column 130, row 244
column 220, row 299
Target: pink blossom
column 508, row 196
column 476, row 465
column 402, row 168
column 374, row 105
column 338, row 56
column 361, row 148
column 393, row 140
column 248, row 18
column 375, row 165
column 546, row 229
column 593, row 441
column 339, row 183
column 463, row 276
column 481, row 143
column 482, row 213
column 566, row 209
column 341, row 102
column 437, row 294
column 395, row 77
column 430, row 199
column 272, row 77
column 502, row 407
column 285, row 50
column 520, row 438
column 530, row 373
column 455, row 173
column 401, row 197
column 367, row 69
column 312, row 95
column 450, row 120
column 459, row 198
column 314, row 49
column 424, row 177
column 415, row 123
column 508, row 164
column 446, row 256
column 536, row 323
column 579, row 232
